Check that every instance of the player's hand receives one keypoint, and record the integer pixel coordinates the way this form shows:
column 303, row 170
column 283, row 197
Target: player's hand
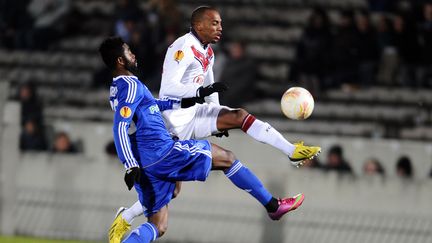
column 222, row 133
column 188, row 102
column 212, row 88
column 132, row 175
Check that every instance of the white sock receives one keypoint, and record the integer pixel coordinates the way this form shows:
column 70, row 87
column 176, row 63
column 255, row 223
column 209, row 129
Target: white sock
column 134, row 211
column 265, row 133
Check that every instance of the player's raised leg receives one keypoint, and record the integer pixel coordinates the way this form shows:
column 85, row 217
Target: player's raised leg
column 265, row 133
column 244, row 179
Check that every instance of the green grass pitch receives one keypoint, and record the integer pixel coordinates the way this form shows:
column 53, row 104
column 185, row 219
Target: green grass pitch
column 7, row 239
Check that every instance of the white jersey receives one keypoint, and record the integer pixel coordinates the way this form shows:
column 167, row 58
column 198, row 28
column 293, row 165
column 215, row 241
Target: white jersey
column 188, row 65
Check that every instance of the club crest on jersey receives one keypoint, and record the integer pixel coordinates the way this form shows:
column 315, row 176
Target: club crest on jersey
column 204, row 60
column 178, row 56
column 125, row 112
column 199, row 79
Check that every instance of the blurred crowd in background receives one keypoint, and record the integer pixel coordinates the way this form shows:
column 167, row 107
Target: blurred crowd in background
column 38, row 24
column 351, row 49
column 337, row 162
column 388, row 44
column 354, row 51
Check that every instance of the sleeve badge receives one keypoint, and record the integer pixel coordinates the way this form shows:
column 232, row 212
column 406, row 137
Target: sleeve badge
column 125, row 112
column 178, row 56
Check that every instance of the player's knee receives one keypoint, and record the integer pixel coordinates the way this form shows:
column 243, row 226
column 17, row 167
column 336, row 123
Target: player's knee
column 222, row 159
column 229, row 158
column 240, row 115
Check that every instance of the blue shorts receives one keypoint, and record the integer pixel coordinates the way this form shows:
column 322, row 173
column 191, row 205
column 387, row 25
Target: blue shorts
column 188, row 160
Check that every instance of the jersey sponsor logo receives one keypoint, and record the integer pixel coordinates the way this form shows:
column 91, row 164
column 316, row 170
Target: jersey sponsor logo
column 154, row 109
column 204, row 60
column 199, row 79
column 114, row 104
column 125, row 112
column 113, row 91
column 178, row 56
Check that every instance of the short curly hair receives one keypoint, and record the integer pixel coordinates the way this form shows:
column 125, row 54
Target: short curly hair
column 110, row 49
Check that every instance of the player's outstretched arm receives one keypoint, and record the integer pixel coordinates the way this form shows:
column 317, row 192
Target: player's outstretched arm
column 174, row 103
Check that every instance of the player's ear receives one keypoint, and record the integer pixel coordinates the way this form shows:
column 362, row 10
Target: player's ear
column 198, row 26
column 120, row 60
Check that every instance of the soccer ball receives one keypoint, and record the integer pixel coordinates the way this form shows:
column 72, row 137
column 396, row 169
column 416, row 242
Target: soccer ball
column 297, row 103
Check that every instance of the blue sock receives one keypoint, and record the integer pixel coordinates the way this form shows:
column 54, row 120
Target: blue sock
column 145, row 233
column 244, row 179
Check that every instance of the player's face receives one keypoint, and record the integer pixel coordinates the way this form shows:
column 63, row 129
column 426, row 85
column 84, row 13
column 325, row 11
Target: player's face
column 211, row 27
column 130, row 60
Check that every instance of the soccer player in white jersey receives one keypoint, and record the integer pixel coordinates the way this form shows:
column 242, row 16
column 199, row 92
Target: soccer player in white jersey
column 188, row 72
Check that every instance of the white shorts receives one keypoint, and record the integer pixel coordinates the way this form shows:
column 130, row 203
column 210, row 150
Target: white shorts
column 201, row 121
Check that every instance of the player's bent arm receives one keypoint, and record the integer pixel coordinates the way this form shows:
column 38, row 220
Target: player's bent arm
column 121, row 139
column 209, row 80
column 213, row 98
column 129, row 96
column 176, row 89
column 124, row 151
column 177, row 60
column 128, row 99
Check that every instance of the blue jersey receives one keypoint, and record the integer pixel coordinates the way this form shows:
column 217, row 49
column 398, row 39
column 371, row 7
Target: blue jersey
column 132, row 101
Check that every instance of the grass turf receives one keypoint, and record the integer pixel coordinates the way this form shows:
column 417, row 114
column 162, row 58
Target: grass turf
column 8, row 239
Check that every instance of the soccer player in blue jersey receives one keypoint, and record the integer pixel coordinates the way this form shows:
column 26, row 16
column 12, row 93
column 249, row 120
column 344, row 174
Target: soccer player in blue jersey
column 154, row 162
